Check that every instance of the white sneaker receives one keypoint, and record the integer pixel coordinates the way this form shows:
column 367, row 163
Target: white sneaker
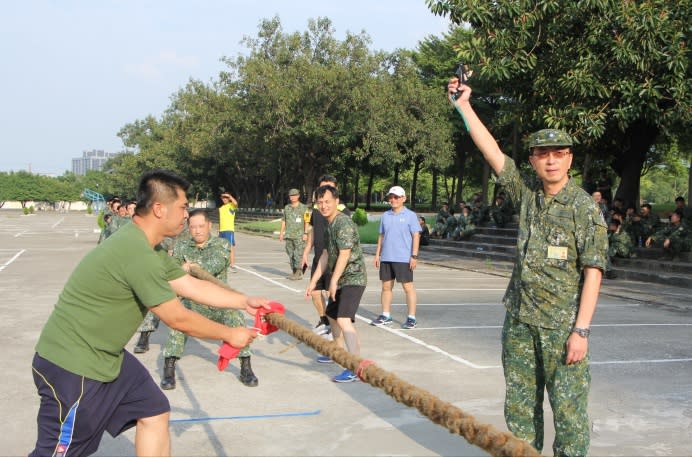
column 321, row 328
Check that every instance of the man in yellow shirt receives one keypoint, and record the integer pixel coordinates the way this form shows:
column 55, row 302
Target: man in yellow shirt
column 227, row 223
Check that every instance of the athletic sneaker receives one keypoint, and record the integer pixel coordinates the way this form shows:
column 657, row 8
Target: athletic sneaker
column 345, row 376
column 381, row 320
column 321, row 328
column 324, row 359
column 234, row 269
column 410, row 323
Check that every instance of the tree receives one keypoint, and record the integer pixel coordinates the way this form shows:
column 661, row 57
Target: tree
column 614, row 73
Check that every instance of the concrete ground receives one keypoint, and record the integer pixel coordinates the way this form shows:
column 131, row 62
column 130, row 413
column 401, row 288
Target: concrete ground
column 641, row 396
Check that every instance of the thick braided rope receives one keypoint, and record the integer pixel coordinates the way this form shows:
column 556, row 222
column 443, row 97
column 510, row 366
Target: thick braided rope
column 485, row 436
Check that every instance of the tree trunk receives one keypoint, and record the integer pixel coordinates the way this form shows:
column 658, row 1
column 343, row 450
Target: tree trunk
column 630, row 159
column 414, row 183
column 433, row 202
column 371, row 183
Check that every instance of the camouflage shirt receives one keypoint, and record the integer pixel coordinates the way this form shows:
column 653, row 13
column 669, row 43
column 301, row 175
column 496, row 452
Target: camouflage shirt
column 213, row 256
column 558, row 237
column 342, row 233
column 294, row 219
column 620, row 244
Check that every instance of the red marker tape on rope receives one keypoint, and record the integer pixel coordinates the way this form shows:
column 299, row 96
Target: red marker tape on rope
column 228, row 352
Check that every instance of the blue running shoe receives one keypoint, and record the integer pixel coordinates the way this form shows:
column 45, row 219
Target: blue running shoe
column 324, row 359
column 410, row 323
column 381, row 320
column 345, row 376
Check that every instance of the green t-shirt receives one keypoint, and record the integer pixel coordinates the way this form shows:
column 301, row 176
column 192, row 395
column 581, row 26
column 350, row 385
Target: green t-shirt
column 103, row 303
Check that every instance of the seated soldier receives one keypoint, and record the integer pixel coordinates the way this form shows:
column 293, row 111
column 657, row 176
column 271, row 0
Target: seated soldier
column 441, row 221
column 450, row 225
column 674, row 238
column 619, row 245
column 501, row 213
column 465, row 227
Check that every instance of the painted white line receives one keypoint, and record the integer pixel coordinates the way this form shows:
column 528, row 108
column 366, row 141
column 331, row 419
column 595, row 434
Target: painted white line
column 404, row 335
column 57, row 223
column 468, row 290
column 632, row 362
column 480, row 327
column 17, row 235
column 276, row 283
column 2, row 267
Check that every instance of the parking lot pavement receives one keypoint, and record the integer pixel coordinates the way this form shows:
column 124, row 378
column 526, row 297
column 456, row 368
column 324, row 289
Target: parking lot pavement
column 641, row 395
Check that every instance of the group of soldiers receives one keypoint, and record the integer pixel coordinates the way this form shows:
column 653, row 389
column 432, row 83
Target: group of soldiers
column 470, row 215
column 116, row 214
column 628, row 230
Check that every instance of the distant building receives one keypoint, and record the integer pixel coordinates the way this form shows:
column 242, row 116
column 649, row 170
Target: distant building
column 91, row 160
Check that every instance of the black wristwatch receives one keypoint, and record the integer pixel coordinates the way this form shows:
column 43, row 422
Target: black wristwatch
column 414, row 256
column 583, row 332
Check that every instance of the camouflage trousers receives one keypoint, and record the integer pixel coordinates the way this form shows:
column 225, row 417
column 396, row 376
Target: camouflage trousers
column 229, row 317
column 294, row 249
column 150, row 323
column 533, row 359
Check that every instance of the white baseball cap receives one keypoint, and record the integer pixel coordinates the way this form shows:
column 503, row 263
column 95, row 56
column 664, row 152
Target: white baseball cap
column 398, row 191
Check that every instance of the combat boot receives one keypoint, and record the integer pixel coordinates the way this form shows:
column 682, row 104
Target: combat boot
column 142, row 345
column 247, row 377
column 168, row 381
column 292, row 276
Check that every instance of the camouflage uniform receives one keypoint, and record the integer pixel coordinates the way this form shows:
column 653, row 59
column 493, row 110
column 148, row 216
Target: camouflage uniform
column 678, row 236
column 450, row 226
column 213, row 257
column 293, row 236
column 619, row 245
column 342, row 233
column 440, row 222
column 558, row 237
column 465, row 228
column 501, row 215
column 646, row 226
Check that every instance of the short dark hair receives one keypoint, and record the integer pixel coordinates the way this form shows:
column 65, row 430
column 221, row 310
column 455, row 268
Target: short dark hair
column 646, row 205
column 319, row 193
column 158, row 185
column 327, row 178
column 680, row 199
column 198, row 212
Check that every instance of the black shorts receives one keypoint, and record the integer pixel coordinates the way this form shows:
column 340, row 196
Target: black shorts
column 86, row 408
column 323, row 282
column 401, row 271
column 346, row 303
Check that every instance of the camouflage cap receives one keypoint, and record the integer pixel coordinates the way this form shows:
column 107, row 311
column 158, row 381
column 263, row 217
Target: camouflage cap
column 549, row 137
column 293, row 192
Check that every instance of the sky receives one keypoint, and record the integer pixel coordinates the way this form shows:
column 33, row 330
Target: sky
column 74, row 72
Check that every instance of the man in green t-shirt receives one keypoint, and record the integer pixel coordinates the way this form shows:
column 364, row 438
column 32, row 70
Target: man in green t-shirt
column 344, row 258
column 87, row 381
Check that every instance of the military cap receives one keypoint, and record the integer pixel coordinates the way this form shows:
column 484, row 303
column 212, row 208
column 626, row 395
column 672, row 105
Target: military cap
column 293, row 192
column 549, row 137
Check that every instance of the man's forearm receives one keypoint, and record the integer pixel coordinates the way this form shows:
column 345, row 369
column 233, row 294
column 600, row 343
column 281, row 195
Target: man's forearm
column 589, row 297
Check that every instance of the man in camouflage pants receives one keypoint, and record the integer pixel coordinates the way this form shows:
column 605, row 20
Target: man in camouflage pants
column 619, row 245
column 552, row 294
column 292, row 232
column 212, row 254
column 673, row 238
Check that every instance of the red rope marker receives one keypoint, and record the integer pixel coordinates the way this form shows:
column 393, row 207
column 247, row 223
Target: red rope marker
column 362, row 366
column 228, row 352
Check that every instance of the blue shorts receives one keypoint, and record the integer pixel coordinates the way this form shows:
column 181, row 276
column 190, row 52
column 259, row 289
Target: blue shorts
column 75, row 411
column 230, row 236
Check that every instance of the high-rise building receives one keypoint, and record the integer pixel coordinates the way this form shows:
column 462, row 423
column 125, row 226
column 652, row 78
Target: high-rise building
column 91, row 160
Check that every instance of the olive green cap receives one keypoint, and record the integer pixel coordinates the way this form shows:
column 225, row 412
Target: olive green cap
column 549, row 137
column 293, row 192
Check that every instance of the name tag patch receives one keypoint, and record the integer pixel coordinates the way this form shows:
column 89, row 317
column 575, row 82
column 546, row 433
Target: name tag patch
column 557, row 252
